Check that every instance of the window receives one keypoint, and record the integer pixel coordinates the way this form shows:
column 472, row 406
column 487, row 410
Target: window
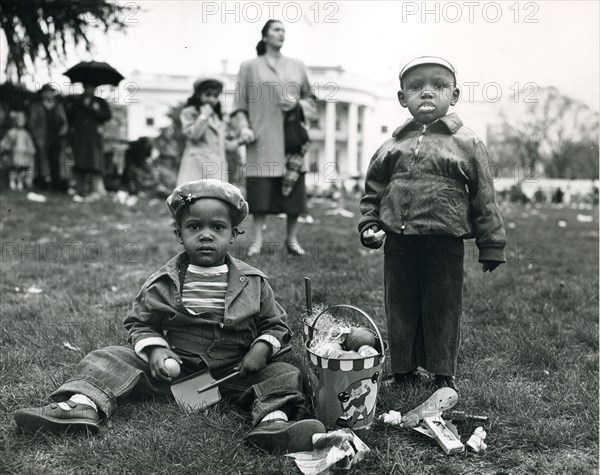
column 384, row 129
column 150, row 121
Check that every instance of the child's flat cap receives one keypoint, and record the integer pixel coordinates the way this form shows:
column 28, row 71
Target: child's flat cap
column 209, row 188
column 427, row 60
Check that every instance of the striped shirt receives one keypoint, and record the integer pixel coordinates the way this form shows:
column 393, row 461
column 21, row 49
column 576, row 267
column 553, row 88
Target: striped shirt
column 204, row 289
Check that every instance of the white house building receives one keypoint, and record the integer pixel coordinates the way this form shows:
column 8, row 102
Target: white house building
column 355, row 116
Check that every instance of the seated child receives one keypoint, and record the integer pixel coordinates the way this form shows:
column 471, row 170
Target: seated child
column 205, row 309
column 138, row 173
column 429, row 187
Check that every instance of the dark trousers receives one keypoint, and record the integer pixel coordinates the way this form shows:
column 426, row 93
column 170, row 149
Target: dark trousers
column 109, row 374
column 54, row 163
column 423, row 299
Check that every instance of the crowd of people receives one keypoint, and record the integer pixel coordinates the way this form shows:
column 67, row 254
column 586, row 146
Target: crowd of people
column 55, row 143
column 38, row 133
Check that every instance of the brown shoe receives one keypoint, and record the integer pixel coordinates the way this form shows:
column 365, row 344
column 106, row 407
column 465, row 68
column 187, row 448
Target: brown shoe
column 56, row 419
column 281, row 436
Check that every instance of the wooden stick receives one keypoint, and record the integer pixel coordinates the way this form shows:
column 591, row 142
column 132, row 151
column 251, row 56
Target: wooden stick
column 283, row 351
column 463, row 416
column 308, row 289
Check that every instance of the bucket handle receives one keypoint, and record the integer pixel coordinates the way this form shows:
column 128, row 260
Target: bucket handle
column 352, row 307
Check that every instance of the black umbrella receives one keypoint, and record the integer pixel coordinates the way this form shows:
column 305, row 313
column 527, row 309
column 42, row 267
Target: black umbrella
column 95, row 73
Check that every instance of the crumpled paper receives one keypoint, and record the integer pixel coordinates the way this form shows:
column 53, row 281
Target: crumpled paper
column 335, row 450
column 476, row 441
column 392, row 417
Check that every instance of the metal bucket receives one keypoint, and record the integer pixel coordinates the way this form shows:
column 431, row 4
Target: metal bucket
column 343, row 392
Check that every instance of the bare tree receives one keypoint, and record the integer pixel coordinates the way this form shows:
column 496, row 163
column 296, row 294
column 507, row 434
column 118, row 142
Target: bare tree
column 544, row 134
column 45, row 29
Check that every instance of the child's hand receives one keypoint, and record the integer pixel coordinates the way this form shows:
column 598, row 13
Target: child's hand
column 372, row 237
column 156, row 358
column 255, row 360
column 490, row 265
column 206, row 110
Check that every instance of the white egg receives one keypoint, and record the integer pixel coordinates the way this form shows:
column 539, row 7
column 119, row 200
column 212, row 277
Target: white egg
column 172, row 366
column 367, row 350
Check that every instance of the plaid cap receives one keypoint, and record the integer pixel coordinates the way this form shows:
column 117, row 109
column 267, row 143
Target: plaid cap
column 209, row 188
column 427, row 60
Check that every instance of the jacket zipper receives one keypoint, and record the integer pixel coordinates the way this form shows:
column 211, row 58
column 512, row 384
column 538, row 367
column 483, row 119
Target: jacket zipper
column 417, row 148
column 420, row 141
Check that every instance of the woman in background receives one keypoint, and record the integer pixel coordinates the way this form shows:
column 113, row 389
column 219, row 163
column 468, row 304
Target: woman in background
column 269, row 86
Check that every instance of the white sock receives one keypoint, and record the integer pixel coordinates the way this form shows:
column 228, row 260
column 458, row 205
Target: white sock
column 271, row 416
column 79, row 399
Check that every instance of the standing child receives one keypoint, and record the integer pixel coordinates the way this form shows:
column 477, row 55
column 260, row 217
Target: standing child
column 428, row 188
column 204, row 309
column 17, row 145
column 202, row 124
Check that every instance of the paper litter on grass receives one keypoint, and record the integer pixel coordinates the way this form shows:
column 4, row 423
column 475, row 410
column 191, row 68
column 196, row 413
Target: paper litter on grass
column 35, row 197
column 584, row 218
column 335, row 450
column 392, row 417
column 306, row 219
column 344, row 213
column 71, row 347
column 476, row 441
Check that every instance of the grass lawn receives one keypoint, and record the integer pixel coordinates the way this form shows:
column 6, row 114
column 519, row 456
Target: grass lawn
column 529, row 355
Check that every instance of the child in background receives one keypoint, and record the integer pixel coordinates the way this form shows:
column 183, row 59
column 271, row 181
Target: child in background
column 139, row 175
column 204, row 309
column 18, row 148
column 427, row 188
column 202, row 123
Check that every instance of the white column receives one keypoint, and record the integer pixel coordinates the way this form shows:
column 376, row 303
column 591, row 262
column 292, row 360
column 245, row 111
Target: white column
column 352, row 163
column 330, row 133
column 368, row 147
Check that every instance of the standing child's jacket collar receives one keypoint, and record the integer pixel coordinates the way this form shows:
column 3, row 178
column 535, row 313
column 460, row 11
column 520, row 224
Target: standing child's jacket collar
column 451, row 123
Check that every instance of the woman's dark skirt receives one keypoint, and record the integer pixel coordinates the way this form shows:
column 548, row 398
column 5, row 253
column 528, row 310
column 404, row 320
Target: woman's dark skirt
column 264, row 196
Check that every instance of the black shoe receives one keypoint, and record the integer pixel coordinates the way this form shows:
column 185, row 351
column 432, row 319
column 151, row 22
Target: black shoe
column 412, row 377
column 56, row 419
column 280, row 436
column 442, row 381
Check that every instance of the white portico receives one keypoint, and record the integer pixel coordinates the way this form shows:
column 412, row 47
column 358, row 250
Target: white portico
column 355, row 116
